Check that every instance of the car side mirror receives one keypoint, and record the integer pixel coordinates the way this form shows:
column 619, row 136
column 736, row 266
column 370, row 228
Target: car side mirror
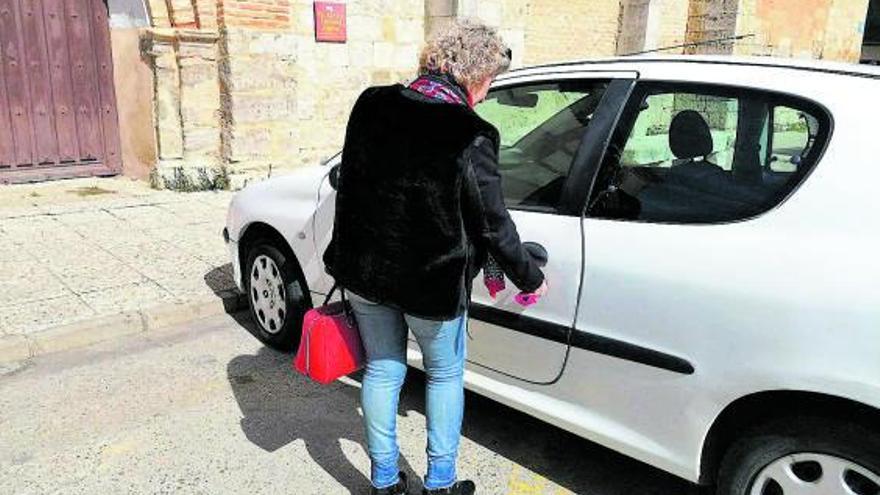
column 537, row 252
column 334, row 177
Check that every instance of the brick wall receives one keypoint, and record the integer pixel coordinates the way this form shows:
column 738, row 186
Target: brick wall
column 255, row 14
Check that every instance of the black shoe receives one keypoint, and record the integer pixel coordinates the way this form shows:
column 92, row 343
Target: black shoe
column 466, row 487
column 398, row 489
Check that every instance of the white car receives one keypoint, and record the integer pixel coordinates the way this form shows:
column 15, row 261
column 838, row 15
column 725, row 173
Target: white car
column 714, row 265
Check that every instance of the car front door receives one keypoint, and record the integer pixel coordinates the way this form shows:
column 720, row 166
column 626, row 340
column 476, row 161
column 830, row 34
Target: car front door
column 546, row 125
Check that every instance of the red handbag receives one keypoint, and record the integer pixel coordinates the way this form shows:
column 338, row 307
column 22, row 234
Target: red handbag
column 330, row 346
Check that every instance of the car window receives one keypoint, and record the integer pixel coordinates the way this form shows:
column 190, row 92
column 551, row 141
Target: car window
column 541, row 126
column 648, row 144
column 791, row 138
column 690, row 154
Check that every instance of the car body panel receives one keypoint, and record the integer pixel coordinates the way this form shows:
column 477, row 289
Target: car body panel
column 288, row 204
column 786, row 301
column 517, row 354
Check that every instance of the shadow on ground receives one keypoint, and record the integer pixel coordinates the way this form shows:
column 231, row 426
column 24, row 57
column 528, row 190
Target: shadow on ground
column 280, row 407
column 220, row 281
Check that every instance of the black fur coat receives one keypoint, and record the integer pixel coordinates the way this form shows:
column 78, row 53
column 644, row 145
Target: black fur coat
column 415, row 217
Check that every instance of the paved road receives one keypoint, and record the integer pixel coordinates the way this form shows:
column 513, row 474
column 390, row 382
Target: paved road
column 204, row 408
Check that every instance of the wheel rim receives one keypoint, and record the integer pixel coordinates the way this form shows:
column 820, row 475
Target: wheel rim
column 267, row 294
column 815, row 474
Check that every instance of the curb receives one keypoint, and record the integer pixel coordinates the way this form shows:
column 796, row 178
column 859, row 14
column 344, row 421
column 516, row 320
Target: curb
column 84, row 333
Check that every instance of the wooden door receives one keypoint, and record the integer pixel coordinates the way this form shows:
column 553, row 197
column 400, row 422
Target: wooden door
column 57, row 102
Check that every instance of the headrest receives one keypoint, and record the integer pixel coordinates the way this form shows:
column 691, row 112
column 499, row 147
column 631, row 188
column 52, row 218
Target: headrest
column 689, row 135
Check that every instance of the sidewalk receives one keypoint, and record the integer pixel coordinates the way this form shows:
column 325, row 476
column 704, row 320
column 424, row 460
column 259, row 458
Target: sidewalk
column 78, row 250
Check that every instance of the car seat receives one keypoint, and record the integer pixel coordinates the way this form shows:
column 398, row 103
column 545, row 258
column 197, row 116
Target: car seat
column 690, row 137
column 694, row 188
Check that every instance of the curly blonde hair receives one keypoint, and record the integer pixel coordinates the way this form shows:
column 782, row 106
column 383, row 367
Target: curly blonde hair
column 467, row 50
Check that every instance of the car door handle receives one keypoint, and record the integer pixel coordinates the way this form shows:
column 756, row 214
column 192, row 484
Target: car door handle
column 334, row 177
column 537, row 252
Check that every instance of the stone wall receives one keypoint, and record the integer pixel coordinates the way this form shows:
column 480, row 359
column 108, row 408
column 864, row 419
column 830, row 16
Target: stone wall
column 711, row 26
column 633, row 27
column 818, row 29
column 242, row 90
column 133, row 81
column 567, row 30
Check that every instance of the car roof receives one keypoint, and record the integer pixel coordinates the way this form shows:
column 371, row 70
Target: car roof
column 634, row 62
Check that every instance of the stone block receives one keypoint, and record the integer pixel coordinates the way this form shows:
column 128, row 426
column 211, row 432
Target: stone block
column 406, row 57
column 283, row 45
column 14, row 348
column 249, row 142
column 195, row 73
column 361, row 53
column 85, row 333
column 333, row 54
column 436, row 24
column 32, row 317
column 167, row 316
column 260, row 108
column 489, row 11
column 201, row 142
column 202, row 50
column 445, row 8
column 410, row 31
column 383, row 54
column 364, row 28
column 516, row 40
column 381, row 77
column 304, row 19
column 260, row 72
column 389, row 33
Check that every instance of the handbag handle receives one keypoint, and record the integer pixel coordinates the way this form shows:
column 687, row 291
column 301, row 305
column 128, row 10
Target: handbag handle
column 346, row 307
column 330, row 294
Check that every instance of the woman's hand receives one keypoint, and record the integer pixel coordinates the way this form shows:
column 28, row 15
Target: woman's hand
column 542, row 290
column 529, row 298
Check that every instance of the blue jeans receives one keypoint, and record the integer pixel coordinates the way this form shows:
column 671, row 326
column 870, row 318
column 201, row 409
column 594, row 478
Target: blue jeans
column 443, row 343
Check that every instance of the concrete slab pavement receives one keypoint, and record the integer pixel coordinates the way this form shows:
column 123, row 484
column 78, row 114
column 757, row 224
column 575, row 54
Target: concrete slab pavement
column 92, row 249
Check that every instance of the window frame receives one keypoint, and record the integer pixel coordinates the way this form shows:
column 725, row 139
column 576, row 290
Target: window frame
column 646, row 87
column 597, row 133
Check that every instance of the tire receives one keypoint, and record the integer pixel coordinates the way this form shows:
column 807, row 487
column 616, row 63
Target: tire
column 277, row 296
column 799, row 456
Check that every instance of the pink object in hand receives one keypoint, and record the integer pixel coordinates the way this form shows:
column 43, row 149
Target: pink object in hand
column 495, row 286
column 524, row 299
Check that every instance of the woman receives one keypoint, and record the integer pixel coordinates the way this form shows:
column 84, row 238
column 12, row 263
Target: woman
column 418, row 211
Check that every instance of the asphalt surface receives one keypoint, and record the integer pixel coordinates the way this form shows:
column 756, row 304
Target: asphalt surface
column 205, row 408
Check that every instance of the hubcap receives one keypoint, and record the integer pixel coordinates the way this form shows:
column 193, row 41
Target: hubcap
column 815, row 474
column 267, row 294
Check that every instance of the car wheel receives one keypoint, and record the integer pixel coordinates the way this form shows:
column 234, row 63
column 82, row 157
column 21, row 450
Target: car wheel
column 803, row 457
column 276, row 295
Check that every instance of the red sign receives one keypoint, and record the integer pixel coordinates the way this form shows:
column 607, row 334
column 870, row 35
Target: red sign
column 330, row 22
